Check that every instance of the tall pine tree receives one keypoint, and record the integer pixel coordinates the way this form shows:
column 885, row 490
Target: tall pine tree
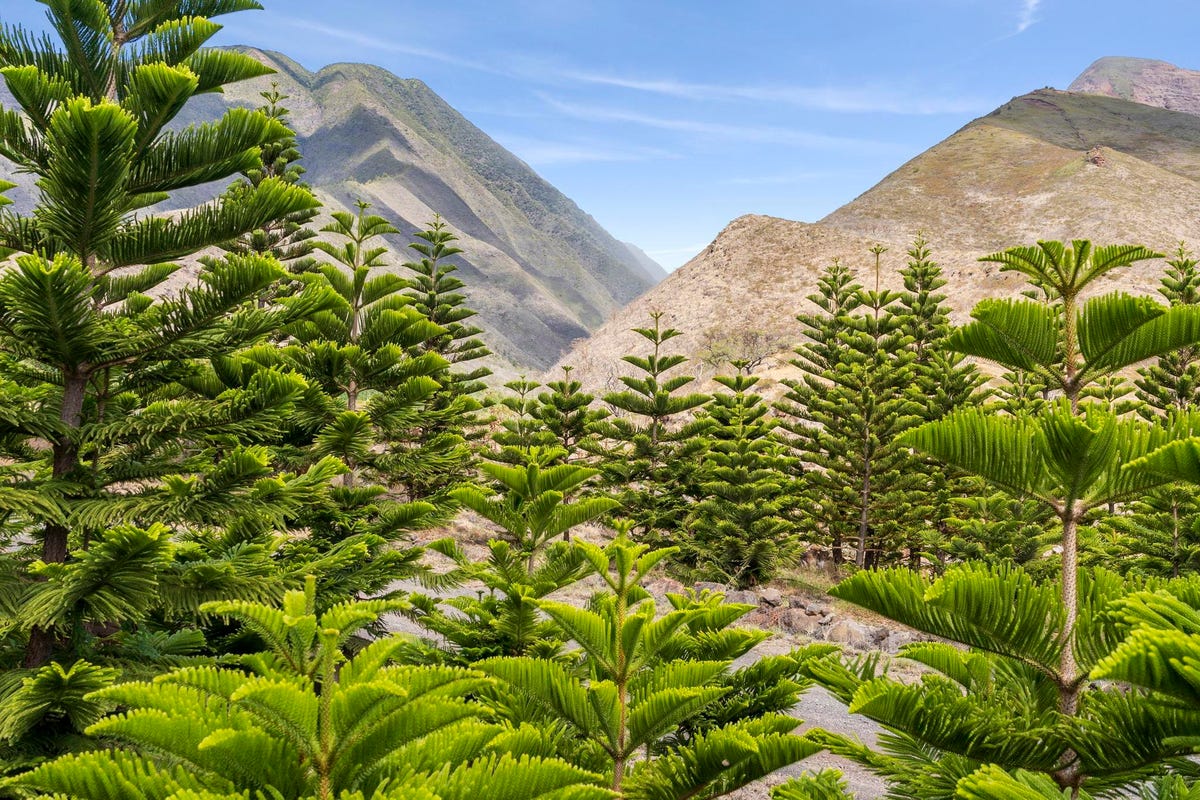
column 846, row 417
column 80, row 321
column 650, row 442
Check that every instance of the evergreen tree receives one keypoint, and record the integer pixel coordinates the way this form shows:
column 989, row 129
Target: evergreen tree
column 1034, row 645
column 80, row 321
column 437, row 444
column 642, row 683
column 436, row 294
column 301, row 721
column 942, row 382
column 289, row 239
column 363, row 383
column 566, row 412
column 836, row 298
column 650, row 451
column 1172, row 383
column 521, row 427
column 849, row 415
column 740, row 532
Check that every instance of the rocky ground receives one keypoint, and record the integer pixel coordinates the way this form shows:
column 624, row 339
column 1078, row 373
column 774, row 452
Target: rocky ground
column 796, row 617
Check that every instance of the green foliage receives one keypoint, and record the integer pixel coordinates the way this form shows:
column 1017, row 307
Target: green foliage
column 846, row 412
column 740, row 532
column 1000, row 702
column 566, row 412
column 650, row 446
column 288, row 239
column 437, row 452
column 532, row 508
column 639, row 691
column 303, row 721
column 84, row 321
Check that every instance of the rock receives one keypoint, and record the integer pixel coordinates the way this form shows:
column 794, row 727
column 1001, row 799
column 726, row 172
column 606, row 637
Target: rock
column 771, row 597
column 795, row 620
column 797, row 602
column 849, row 632
column 897, row 639
column 750, row 598
column 709, row 586
column 664, row 586
column 827, row 619
column 819, row 609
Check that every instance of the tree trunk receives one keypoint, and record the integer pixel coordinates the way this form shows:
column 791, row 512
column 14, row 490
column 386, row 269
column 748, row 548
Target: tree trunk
column 1068, row 669
column 864, row 520
column 55, row 536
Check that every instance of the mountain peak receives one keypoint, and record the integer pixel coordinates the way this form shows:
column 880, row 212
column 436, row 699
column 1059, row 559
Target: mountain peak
column 1142, row 80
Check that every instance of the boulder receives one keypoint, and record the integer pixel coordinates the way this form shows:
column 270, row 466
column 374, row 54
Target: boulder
column 795, row 620
column 771, row 597
column 709, row 586
column 850, row 633
column 664, row 586
column 749, row 598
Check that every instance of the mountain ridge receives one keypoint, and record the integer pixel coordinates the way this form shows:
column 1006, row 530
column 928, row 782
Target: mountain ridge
column 540, row 271
column 1045, row 165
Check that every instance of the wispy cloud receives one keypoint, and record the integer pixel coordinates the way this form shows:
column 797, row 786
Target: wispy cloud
column 849, row 100
column 1028, row 17
column 764, row 134
column 546, row 153
column 388, row 45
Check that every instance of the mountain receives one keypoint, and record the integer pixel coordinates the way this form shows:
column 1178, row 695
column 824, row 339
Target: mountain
column 540, row 271
column 1142, row 80
column 1046, row 165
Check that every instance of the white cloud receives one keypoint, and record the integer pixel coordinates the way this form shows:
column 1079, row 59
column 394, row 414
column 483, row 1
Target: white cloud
column 388, row 45
column 852, row 100
column 764, row 134
column 1028, row 17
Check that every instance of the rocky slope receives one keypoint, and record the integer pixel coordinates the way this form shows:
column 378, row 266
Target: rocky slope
column 541, row 272
column 1142, row 80
column 1046, row 165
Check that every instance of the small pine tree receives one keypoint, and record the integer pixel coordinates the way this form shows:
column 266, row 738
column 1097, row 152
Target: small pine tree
column 566, row 412
column 1172, row 383
column 649, row 455
column 437, row 443
column 740, row 532
column 837, row 296
column 521, row 428
column 289, row 239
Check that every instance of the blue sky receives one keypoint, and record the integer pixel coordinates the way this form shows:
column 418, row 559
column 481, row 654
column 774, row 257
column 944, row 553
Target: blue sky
column 666, row 119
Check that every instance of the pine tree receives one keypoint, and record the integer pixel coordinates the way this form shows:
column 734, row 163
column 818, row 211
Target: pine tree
column 837, row 296
column 642, row 684
column 436, row 294
column 1173, row 382
column 566, row 412
column 650, row 448
column 849, row 415
column 942, row 382
column 301, row 721
column 363, row 383
column 521, row 427
column 289, row 239
column 437, row 443
column 739, row 532
column 79, row 317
